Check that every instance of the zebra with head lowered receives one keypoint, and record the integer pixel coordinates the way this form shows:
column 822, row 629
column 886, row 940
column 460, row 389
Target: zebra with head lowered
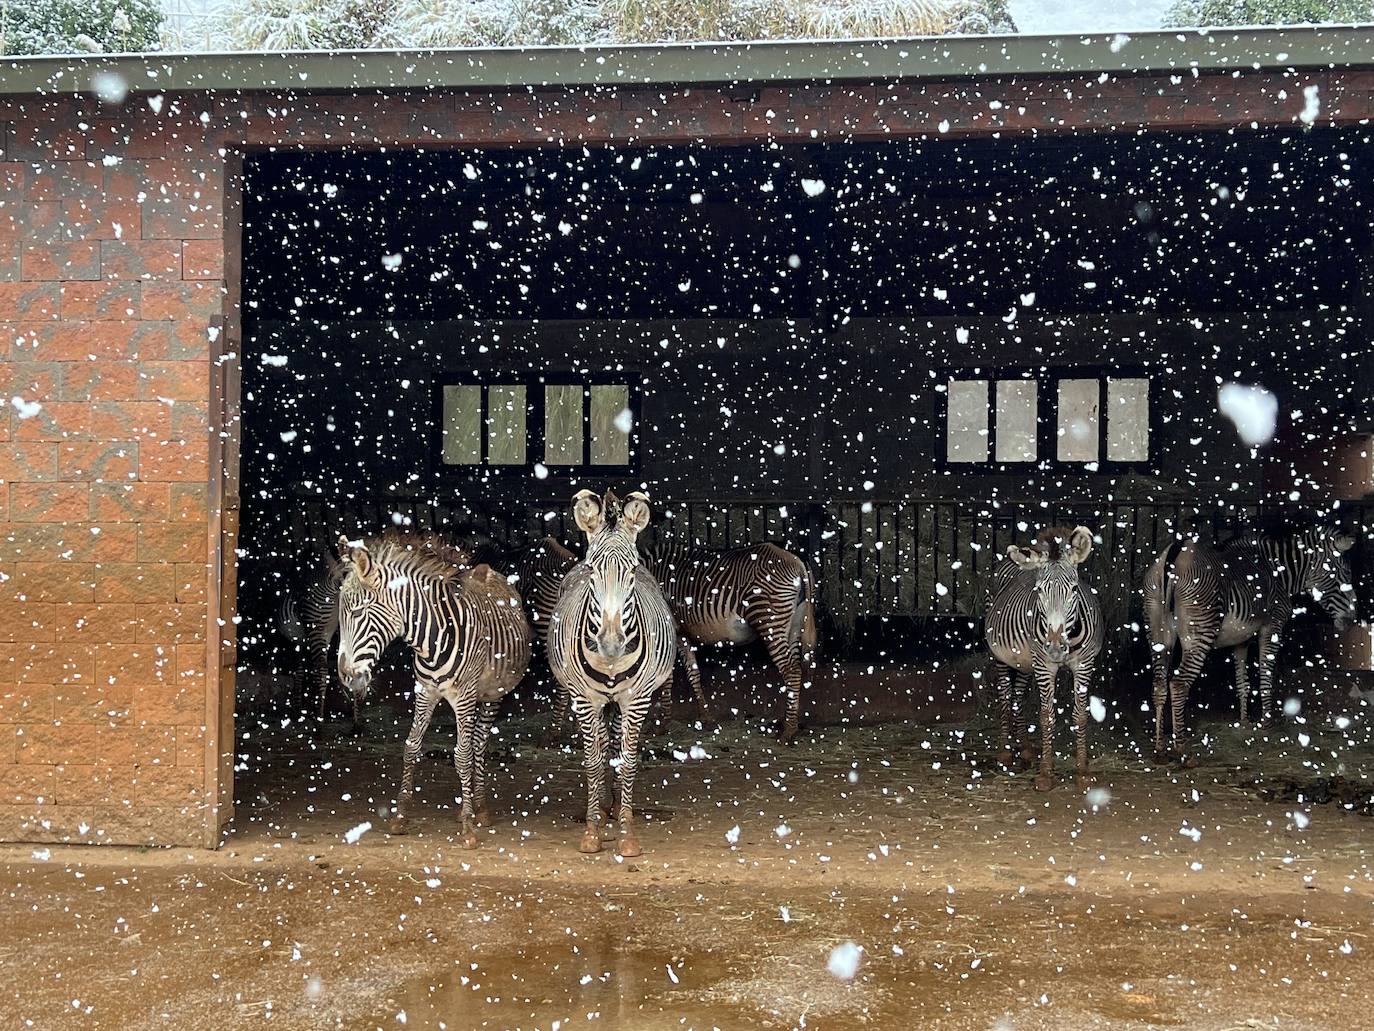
column 737, row 596
column 1041, row 617
column 309, row 615
column 1205, row 598
column 611, row 639
column 471, row 643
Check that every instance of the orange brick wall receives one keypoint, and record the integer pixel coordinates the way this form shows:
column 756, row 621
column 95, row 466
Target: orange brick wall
column 112, row 292
column 111, row 260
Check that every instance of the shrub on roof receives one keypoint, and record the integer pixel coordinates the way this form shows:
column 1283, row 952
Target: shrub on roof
column 79, row 26
column 1188, row 13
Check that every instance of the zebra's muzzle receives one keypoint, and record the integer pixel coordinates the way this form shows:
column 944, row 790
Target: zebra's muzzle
column 357, row 679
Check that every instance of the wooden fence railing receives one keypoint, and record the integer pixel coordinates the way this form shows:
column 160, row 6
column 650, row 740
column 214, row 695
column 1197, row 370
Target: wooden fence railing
column 922, row 557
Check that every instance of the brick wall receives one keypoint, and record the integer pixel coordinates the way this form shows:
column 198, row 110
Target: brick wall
column 112, row 257
column 111, row 251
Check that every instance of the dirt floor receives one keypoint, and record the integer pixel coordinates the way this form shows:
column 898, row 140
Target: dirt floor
column 866, row 877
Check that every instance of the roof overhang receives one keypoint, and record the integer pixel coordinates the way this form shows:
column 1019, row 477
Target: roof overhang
column 931, row 57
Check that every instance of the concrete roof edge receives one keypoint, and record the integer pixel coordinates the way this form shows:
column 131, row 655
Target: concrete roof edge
column 932, row 57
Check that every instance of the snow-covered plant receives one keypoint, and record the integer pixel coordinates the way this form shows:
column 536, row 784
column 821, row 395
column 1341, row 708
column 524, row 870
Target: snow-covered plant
column 300, row 24
column 1267, row 12
column 79, row 26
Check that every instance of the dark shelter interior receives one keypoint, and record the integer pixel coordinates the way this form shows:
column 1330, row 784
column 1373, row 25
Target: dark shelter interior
column 454, row 339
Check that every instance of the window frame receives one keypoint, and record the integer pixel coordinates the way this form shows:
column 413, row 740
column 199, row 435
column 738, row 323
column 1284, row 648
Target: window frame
column 535, row 412
column 1046, row 417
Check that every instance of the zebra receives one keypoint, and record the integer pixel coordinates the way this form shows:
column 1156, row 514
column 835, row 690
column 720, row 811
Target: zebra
column 1041, row 617
column 471, row 642
column 309, row 616
column 538, row 571
column 611, row 639
column 737, row 596
column 1206, row 598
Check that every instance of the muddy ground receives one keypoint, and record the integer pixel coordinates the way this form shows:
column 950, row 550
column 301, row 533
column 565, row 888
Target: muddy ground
column 1181, row 898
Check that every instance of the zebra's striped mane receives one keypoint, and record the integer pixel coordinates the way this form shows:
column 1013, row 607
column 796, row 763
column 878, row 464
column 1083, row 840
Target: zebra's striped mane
column 428, row 555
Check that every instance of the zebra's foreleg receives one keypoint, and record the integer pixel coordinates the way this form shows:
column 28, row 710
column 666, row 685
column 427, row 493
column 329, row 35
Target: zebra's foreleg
column 592, row 723
column 1082, row 681
column 426, row 698
column 318, row 658
column 1021, row 684
column 1045, row 677
column 687, row 654
column 632, row 721
column 1003, row 680
column 1239, row 660
column 465, row 715
column 486, row 718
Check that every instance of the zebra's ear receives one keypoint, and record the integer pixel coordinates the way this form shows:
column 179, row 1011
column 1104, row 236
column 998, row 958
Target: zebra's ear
column 634, row 516
column 588, row 512
column 1026, row 558
column 1342, row 542
column 1080, row 545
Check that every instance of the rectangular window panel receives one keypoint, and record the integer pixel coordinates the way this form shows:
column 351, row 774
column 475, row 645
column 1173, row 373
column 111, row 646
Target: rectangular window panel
column 1128, row 420
column 1016, row 420
column 462, row 425
column 966, row 428
column 611, row 425
column 506, row 425
column 1078, row 426
column 563, row 424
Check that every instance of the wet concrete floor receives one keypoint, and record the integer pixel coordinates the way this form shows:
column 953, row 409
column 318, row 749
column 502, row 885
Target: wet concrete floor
column 874, row 877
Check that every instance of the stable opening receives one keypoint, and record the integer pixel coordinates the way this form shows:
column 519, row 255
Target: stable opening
column 894, row 358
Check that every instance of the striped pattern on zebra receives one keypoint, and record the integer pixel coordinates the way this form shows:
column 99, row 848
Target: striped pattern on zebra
column 611, row 639
column 1042, row 617
column 471, row 642
column 737, row 596
column 309, row 614
column 1205, row 598
column 538, row 571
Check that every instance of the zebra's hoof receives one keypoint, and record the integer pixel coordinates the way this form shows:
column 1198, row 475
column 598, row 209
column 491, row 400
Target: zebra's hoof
column 399, row 825
column 1085, row 780
column 591, row 843
column 1162, row 757
column 1044, row 782
column 788, row 736
column 469, row 841
column 1188, row 762
column 1004, row 758
column 1028, row 758
column 482, row 818
column 629, row 847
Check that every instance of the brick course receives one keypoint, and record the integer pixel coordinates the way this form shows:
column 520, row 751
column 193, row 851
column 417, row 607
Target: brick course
column 112, row 256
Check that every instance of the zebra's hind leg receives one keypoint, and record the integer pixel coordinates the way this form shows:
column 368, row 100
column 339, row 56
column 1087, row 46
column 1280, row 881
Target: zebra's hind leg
column 1194, row 655
column 486, row 717
column 465, row 715
column 592, row 722
column 1161, row 654
column 1239, row 659
column 687, row 654
column 1268, row 640
column 553, row 734
column 632, row 720
column 785, row 653
column 1045, row 677
column 426, row 698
